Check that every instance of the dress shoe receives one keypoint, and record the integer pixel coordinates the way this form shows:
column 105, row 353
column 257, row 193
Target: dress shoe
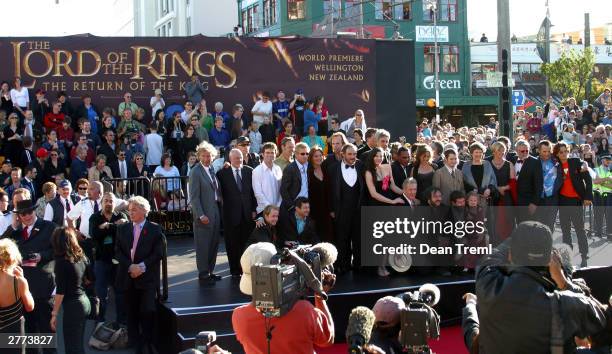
column 206, row 280
column 215, row 277
column 236, row 276
column 583, row 263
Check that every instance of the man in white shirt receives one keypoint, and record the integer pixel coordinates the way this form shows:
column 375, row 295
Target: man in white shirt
column 267, row 179
column 154, row 148
column 188, row 112
column 157, row 102
column 57, row 209
column 262, row 108
column 6, row 218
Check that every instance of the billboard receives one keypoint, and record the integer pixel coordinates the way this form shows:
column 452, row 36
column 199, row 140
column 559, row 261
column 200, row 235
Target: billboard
column 236, row 69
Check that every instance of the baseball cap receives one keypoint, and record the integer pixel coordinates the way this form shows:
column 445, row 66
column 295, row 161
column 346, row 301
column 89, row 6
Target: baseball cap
column 387, row 311
column 260, row 252
column 42, row 153
column 65, row 184
column 243, row 140
column 531, row 244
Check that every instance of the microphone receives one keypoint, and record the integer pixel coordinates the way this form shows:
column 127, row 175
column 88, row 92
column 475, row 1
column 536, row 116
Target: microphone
column 359, row 328
column 430, row 294
column 327, row 253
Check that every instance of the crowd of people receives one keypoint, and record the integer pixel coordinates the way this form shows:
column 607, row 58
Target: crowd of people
column 288, row 172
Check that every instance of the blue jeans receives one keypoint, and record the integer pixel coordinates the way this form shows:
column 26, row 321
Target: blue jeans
column 105, row 277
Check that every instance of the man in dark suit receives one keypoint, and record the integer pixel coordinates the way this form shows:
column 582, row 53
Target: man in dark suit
column 27, row 155
column 297, row 226
column 33, row 237
column 295, row 178
column 401, row 168
column 239, row 208
column 139, row 250
column 382, row 142
column 529, row 182
column 338, row 140
column 576, row 191
column 205, row 197
column 370, row 139
column 346, row 196
column 409, row 195
column 108, row 149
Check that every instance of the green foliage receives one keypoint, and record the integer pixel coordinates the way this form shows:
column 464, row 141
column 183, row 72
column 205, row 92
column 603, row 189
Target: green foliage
column 597, row 88
column 570, row 74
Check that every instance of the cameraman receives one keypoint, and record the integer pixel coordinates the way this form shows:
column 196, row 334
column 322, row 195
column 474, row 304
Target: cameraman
column 517, row 288
column 385, row 333
column 298, row 331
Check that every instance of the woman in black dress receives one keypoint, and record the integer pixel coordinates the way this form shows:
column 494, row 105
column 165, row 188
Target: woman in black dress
column 188, row 143
column 423, row 171
column 174, row 134
column 54, row 166
column 505, row 176
column 136, row 168
column 15, row 296
column 11, row 142
column 5, row 97
column 318, row 192
column 70, row 274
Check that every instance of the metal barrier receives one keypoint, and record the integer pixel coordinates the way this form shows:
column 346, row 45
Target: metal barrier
column 168, row 197
column 162, row 294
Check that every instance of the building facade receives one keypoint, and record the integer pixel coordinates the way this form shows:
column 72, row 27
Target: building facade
column 167, row 18
column 410, row 20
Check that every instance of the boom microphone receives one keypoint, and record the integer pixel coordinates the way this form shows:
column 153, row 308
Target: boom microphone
column 430, row 294
column 359, row 328
column 327, row 253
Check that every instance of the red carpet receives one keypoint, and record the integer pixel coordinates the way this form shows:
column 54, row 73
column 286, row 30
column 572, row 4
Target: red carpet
column 450, row 342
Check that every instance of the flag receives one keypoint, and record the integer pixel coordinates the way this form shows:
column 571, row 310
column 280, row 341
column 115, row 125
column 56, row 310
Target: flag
column 541, row 39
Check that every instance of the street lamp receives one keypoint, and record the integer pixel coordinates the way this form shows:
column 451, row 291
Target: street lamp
column 432, row 5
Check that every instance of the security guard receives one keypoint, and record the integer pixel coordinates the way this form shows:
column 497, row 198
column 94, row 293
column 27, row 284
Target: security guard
column 602, row 188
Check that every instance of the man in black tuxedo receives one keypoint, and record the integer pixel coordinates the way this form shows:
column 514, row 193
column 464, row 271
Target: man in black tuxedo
column 409, row 195
column 370, row 142
column 33, row 237
column 347, row 188
column 338, row 140
column 576, row 191
column 529, row 182
column 239, row 208
column 295, row 178
column 139, row 249
column 401, row 168
column 296, row 225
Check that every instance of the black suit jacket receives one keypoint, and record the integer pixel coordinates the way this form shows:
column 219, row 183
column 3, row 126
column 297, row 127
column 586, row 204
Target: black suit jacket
column 111, row 157
column 530, row 182
column 398, row 173
column 291, row 184
column 238, row 206
column 582, row 182
column 335, row 181
column 287, row 230
column 149, row 251
column 24, row 158
column 40, row 278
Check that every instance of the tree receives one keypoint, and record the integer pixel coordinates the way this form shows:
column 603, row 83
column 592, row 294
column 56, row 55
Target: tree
column 570, row 74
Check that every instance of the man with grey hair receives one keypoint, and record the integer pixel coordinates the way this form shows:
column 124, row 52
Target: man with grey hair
column 205, row 197
column 219, row 112
column 239, row 208
column 529, row 182
column 139, row 250
column 382, row 141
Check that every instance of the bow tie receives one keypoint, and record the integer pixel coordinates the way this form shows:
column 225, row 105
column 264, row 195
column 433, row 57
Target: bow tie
column 349, row 166
column 519, row 161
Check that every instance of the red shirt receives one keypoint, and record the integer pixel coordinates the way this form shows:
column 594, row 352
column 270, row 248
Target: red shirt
column 53, row 121
column 297, row 332
column 66, row 135
column 567, row 190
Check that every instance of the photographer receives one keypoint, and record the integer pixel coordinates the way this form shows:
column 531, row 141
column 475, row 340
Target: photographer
column 517, row 288
column 387, row 326
column 298, row 331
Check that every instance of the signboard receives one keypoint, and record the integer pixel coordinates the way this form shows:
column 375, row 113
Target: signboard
column 235, row 69
column 518, row 97
column 429, row 83
column 494, row 79
column 427, row 34
column 420, row 102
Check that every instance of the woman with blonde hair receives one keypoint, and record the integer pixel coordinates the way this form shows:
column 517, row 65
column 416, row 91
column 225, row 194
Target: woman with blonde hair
column 15, row 296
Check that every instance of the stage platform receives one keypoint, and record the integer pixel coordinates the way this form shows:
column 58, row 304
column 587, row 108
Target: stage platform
column 192, row 308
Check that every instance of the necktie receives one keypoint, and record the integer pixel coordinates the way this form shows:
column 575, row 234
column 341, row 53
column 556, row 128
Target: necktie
column 405, row 172
column 453, row 173
column 29, row 157
column 24, row 233
column 67, row 206
column 238, row 180
column 96, row 207
column 135, row 242
column 349, row 166
column 211, row 170
column 123, row 172
column 519, row 161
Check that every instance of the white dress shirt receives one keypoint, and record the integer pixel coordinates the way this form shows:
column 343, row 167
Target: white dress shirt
column 5, row 221
column 85, row 209
column 266, row 185
column 123, row 168
column 20, row 98
column 349, row 174
column 49, row 210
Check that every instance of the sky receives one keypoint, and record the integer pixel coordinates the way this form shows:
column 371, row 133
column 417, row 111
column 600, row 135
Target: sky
column 527, row 15
column 112, row 17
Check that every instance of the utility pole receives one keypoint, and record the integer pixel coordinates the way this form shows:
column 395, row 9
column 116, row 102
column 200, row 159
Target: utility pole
column 504, row 58
column 587, row 44
column 361, row 34
column 547, row 45
column 436, row 61
column 332, row 20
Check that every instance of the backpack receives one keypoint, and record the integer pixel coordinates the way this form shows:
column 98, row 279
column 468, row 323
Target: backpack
column 108, row 335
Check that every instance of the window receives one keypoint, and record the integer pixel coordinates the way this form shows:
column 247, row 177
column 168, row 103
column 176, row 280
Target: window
column 394, row 9
column 447, row 11
column 252, row 19
column 449, row 58
column 403, row 10
column 269, row 13
column 296, row 9
column 429, row 59
column 384, row 9
column 351, row 8
column 245, row 23
column 327, row 7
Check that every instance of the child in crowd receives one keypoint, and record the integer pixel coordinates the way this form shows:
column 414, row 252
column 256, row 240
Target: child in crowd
column 255, row 137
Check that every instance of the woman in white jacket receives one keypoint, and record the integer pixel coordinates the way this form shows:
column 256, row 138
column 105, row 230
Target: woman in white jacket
column 349, row 125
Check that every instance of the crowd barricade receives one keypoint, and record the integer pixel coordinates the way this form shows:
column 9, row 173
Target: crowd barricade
column 168, row 196
column 589, row 221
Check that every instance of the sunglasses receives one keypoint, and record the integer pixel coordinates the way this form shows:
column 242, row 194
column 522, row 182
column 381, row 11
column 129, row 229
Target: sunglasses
column 54, row 155
column 139, row 158
column 303, row 153
column 83, row 189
